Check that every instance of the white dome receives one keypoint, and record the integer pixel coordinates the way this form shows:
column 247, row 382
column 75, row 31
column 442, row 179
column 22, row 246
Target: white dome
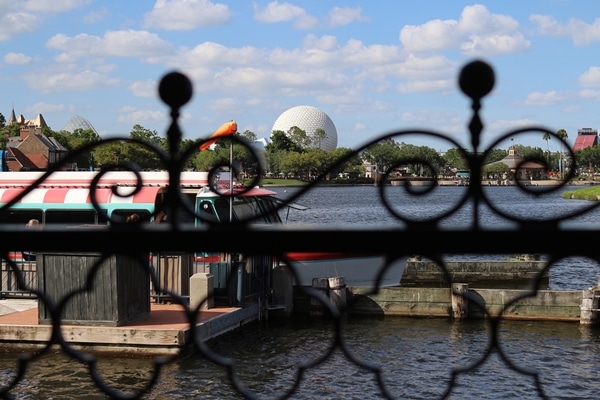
column 309, row 119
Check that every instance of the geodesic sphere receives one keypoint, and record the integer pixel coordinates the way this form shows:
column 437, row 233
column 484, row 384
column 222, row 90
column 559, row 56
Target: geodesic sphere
column 309, row 119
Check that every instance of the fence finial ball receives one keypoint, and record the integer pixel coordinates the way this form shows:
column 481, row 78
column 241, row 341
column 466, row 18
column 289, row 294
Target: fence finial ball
column 175, row 89
column 476, row 79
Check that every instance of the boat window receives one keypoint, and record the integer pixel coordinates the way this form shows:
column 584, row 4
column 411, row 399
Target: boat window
column 121, row 215
column 222, row 207
column 243, row 209
column 20, row 216
column 71, row 217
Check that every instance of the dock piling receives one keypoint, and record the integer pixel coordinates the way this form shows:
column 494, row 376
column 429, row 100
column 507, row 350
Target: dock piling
column 337, row 291
column 590, row 300
column 460, row 302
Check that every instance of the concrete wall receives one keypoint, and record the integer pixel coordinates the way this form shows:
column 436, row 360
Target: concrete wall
column 512, row 274
column 437, row 302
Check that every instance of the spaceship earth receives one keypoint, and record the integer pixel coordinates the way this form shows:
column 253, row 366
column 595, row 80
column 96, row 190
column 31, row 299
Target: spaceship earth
column 309, row 119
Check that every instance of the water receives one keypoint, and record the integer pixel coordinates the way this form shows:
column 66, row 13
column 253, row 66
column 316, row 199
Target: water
column 361, row 206
column 414, row 356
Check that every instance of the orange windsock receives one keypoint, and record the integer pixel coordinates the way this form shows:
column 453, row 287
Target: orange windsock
column 227, row 129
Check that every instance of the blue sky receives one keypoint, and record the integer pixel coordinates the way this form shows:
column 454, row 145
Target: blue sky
column 372, row 66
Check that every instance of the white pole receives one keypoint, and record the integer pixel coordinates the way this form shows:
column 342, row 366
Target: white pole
column 231, row 181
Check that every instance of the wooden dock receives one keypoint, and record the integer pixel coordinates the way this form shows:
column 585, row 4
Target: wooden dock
column 164, row 332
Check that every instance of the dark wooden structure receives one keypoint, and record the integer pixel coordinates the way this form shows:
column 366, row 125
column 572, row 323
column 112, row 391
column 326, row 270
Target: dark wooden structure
column 173, row 272
column 120, row 292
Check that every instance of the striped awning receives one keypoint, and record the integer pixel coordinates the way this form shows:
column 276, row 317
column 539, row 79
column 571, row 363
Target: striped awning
column 146, row 195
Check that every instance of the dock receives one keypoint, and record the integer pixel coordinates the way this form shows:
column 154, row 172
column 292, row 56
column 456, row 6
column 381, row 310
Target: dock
column 426, row 292
column 165, row 331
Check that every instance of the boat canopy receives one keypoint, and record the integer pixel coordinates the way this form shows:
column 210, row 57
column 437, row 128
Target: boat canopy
column 70, row 198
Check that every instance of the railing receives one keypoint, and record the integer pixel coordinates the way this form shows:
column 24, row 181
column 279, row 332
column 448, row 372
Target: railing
column 418, row 236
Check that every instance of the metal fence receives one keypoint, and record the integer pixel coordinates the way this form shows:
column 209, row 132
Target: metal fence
column 9, row 285
column 426, row 237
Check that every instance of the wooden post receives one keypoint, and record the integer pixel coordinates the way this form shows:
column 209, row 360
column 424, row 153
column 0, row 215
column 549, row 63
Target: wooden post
column 460, row 302
column 337, row 291
column 201, row 291
column 283, row 288
column 589, row 306
column 320, row 284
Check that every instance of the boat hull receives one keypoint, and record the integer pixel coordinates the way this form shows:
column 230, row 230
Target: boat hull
column 356, row 269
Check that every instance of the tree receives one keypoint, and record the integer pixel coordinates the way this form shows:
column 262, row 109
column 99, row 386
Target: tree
column 454, row 159
column 547, row 137
column 353, row 164
column 299, row 137
column 280, row 141
column 590, row 158
column 561, row 134
column 3, row 132
column 382, row 155
column 428, row 155
column 73, row 141
column 318, row 137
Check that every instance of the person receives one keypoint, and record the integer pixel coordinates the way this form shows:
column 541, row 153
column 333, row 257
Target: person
column 30, row 255
column 160, row 217
column 32, row 222
column 132, row 219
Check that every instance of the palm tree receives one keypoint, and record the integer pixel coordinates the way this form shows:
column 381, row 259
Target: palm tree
column 547, row 137
column 561, row 134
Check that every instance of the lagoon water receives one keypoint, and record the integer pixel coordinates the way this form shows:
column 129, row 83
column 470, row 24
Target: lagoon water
column 415, row 356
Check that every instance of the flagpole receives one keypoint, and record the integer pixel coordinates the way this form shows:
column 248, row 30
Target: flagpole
column 231, row 180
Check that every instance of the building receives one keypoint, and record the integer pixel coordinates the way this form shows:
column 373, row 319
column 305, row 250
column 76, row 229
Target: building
column 586, row 137
column 31, row 150
column 521, row 169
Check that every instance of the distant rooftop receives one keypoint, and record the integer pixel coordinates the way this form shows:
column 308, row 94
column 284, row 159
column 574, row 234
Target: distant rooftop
column 78, row 122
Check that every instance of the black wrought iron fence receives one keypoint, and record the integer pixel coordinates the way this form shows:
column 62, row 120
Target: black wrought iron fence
column 427, row 236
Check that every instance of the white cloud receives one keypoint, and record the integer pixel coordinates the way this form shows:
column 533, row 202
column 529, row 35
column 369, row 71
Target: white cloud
column 360, row 127
column 147, row 89
column 17, row 59
column 589, row 94
column 133, row 115
column 14, row 23
column 591, row 77
column 125, row 43
column 46, row 108
column 572, row 109
column 55, row 6
column 97, row 16
column 582, row 33
column 427, row 86
column 184, row 15
column 224, row 103
column 505, row 125
column 477, row 33
column 340, row 16
column 63, row 80
column 275, row 12
column 543, row 99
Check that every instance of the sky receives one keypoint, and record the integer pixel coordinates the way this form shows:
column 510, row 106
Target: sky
column 373, row 67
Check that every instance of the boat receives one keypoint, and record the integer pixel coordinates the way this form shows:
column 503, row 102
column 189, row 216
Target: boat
column 358, row 269
column 64, row 198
